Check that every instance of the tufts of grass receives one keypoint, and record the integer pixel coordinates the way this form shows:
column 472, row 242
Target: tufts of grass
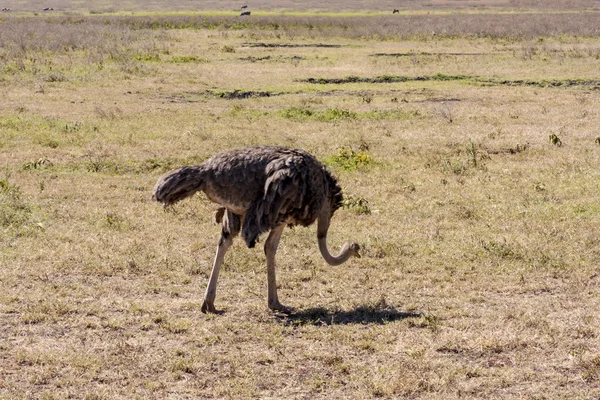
column 502, row 250
column 297, row 113
column 150, row 57
column 391, row 114
column 466, row 159
column 40, row 163
column 187, row 59
column 14, row 212
column 302, row 114
column 358, row 205
column 332, row 114
column 328, row 115
column 115, row 222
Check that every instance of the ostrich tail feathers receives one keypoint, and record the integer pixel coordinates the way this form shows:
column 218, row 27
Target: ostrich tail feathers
column 178, row 184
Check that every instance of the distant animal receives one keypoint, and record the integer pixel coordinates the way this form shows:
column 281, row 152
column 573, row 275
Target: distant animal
column 244, row 13
column 245, row 6
column 48, row 9
column 396, row 11
column 260, row 189
column 7, row 9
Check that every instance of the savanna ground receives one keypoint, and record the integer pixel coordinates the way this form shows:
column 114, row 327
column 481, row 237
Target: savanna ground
column 468, row 148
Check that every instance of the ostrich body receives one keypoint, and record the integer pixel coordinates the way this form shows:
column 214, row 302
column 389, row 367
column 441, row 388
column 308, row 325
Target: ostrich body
column 260, row 189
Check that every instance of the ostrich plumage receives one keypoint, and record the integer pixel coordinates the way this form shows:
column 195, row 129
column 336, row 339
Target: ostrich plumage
column 260, row 189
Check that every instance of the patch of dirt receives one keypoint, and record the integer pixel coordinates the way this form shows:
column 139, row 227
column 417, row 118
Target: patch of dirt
column 195, row 97
column 386, row 79
column 291, row 45
column 425, row 54
column 587, row 83
column 269, row 58
column 244, row 94
column 592, row 84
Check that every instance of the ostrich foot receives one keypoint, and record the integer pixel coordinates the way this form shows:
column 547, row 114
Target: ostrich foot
column 209, row 307
column 277, row 306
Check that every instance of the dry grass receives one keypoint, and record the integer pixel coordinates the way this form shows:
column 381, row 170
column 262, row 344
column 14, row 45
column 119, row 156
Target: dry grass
column 479, row 277
column 337, row 6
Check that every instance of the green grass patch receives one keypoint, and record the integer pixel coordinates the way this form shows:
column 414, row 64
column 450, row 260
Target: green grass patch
column 187, row 59
column 336, row 114
column 150, row 57
column 350, row 160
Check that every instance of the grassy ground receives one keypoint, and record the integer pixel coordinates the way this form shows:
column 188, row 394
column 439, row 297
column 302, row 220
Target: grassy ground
column 471, row 169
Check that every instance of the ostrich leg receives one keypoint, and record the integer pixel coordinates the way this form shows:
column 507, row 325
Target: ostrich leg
column 231, row 227
column 211, row 290
column 270, row 251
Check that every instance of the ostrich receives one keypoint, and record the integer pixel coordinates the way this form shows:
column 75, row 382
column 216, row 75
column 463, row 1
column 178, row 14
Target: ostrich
column 244, row 13
column 244, row 6
column 396, row 11
column 260, row 189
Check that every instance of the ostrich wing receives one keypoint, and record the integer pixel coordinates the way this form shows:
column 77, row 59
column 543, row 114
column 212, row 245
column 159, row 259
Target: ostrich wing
column 287, row 198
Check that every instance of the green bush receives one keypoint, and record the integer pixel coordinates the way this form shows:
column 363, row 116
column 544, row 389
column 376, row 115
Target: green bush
column 351, row 160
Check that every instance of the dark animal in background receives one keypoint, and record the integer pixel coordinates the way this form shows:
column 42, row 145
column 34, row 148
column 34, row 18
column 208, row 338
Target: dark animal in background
column 245, row 13
column 48, row 9
column 396, row 11
column 246, row 6
column 260, row 189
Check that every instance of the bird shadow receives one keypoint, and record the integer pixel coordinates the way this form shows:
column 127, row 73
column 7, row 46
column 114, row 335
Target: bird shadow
column 366, row 314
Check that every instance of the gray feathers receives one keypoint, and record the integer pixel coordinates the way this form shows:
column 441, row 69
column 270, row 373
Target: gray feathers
column 265, row 186
column 178, row 184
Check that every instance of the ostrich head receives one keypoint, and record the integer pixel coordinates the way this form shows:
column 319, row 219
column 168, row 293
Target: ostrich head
column 351, row 248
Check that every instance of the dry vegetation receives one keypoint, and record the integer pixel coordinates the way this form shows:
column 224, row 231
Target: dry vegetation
column 144, row 6
column 470, row 163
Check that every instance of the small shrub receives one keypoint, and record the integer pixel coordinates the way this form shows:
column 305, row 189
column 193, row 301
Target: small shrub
column 358, row 205
column 445, row 111
column 555, row 140
column 351, row 160
column 227, row 49
column 472, row 153
column 40, row 163
column 519, row 148
column 72, row 127
column 469, row 158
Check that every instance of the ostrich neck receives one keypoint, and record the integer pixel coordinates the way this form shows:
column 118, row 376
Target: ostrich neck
column 322, row 228
column 331, row 259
